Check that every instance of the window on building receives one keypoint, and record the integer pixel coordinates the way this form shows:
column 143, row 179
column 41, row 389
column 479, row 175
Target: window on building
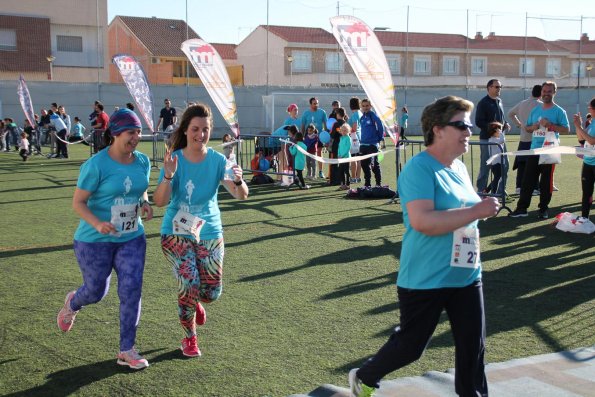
column 69, row 43
column 394, row 63
column 575, row 69
column 8, row 39
column 302, row 61
column 422, row 65
column 334, row 62
column 479, row 66
column 527, row 67
column 553, row 67
column 450, row 65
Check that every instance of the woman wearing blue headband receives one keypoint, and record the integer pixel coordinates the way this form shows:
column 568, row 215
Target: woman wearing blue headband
column 110, row 195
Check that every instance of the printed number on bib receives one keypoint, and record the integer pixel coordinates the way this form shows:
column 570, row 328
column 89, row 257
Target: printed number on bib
column 186, row 223
column 125, row 218
column 465, row 248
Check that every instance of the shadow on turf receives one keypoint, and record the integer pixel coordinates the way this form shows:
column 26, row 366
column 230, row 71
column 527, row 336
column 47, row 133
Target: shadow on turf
column 527, row 293
column 68, row 381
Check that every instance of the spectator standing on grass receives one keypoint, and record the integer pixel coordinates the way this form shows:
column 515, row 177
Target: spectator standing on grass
column 404, row 123
column 548, row 117
column 299, row 160
column 519, row 115
column 356, row 136
column 78, row 132
column 344, row 152
column 334, row 106
column 312, row 142
column 167, row 116
column 11, row 134
column 191, row 232
column 440, row 267
column 334, row 172
column 372, row 134
column 292, row 116
column 24, row 146
column 588, row 170
column 318, row 117
column 110, row 195
column 490, row 109
column 497, row 140
column 59, row 127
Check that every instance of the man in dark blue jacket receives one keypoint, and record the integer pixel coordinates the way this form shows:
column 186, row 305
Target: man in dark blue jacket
column 488, row 110
column 372, row 133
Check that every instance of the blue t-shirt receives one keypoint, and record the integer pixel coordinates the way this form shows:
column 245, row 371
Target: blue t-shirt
column 318, row 118
column 194, row 189
column 112, row 184
column 78, row 130
column 590, row 160
column 555, row 115
column 291, row 121
column 425, row 260
column 299, row 157
column 355, row 118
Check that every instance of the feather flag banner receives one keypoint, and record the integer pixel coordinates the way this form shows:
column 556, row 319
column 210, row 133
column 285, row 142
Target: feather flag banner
column 366, row 57
column 212, row 72
column 25, row 100
column 136, row 81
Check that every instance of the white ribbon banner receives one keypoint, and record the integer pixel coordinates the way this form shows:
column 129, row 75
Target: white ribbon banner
column 332, row 161
column 550, row 150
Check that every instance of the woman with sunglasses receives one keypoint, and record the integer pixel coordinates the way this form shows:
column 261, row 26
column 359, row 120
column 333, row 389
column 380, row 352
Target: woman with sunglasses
column 440, row 211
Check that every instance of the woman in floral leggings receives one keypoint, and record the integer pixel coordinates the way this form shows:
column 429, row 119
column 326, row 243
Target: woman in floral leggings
column 191, row 232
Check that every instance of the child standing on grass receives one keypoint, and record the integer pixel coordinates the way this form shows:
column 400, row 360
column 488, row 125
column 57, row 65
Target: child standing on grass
column 24, row 146
column 299, row 160
column 228, row 151
column 344, row 152
column 496, row 137
column 78, row 132
column 311, row 141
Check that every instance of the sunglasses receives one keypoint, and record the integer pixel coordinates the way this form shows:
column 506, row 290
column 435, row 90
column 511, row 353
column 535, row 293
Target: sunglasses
column 460, row 125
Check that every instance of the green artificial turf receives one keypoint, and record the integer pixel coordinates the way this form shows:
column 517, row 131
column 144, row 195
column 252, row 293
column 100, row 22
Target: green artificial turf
column 309, row 290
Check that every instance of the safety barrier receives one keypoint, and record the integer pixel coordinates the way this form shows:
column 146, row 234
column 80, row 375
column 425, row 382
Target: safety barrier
column 409, row 148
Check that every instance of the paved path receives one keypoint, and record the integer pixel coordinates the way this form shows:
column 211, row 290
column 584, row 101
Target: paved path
column 565, row 374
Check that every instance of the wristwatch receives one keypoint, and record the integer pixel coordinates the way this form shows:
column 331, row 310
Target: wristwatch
column 143, row 202
column 238, row 183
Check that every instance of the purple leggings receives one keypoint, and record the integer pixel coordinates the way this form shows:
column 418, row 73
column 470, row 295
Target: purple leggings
column 96, row 261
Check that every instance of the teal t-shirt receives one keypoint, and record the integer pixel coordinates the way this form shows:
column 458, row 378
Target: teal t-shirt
column 291, row 121
column 344, row 147
column 555, row 115
column 318, row 118
column 590, row 160
column 354, row 119
column 113, row 185
column 299, row 157
column 194, row 190
column 425, row 260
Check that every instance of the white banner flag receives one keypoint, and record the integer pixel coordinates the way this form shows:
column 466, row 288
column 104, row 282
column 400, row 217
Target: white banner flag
column 366, row 57
column 212, row 72
column 136, row 81
column 25, row 100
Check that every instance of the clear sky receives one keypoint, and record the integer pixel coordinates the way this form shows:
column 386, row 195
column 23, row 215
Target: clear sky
column 230, row 21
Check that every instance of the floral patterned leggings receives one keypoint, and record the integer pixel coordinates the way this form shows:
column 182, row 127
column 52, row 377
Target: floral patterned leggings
column 198, row 268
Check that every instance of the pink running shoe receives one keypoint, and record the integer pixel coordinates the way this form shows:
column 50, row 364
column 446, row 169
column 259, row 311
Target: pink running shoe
column 132, row 359
column 190, row 347
column 66, row 315
column 201, row 315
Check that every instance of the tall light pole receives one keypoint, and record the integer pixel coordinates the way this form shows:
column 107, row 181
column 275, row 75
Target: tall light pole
column 51, row 60
column 290, row 60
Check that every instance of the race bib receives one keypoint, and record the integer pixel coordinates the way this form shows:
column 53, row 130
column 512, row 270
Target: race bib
column 186, row 223
column 125, row 218
column 465, row 248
